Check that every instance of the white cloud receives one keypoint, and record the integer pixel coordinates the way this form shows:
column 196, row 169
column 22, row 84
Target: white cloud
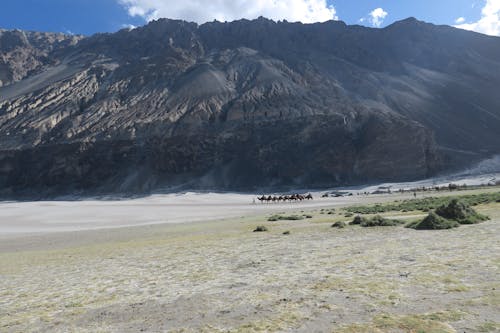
column 377, row 17
column 128, row 26
column 489, row 23
column 460, row 20
column 202, row 11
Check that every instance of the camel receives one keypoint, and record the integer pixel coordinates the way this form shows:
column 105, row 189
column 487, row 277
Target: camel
column 262, row 199
column 285, row 198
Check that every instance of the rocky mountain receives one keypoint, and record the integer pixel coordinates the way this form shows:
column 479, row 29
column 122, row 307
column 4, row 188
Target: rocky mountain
column 243, row 105
column 24, row 53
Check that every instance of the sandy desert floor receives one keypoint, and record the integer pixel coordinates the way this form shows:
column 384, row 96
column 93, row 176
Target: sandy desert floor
column 17, row 218
column 216, row 275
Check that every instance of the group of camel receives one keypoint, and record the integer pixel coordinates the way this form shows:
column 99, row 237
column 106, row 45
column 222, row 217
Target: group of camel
column 285, row 198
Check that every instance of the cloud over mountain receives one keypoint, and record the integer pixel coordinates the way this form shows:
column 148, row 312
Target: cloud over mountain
column 489, row 23
column 377, row 17
column 200, row 11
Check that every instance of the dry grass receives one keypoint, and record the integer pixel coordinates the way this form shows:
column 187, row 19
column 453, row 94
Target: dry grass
column 221, row 277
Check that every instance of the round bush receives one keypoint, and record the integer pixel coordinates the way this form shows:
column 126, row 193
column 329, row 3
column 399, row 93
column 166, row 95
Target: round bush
column 260, row 228
column 435, row 222
column 359, row 220
column 339, row 224
column 460, row 212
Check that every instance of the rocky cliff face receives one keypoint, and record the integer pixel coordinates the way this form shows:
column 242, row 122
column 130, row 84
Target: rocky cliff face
column 24, row 53
column 242, row 105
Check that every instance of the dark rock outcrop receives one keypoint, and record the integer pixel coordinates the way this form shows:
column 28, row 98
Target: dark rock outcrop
column 242, row 105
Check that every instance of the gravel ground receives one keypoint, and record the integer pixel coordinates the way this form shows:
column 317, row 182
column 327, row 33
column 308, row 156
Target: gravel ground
column 220, row 276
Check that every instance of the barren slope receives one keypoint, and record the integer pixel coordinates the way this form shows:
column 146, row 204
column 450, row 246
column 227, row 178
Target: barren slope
column 248, row 104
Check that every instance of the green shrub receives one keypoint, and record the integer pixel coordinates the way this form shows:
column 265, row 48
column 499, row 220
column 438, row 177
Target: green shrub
column 460, row 212
column 260, row 228
column 379, row 221
column 339, row 224
column 359, row 220
column 292, row 217
column 433, row 222
column 348, row 214
column 286, row 218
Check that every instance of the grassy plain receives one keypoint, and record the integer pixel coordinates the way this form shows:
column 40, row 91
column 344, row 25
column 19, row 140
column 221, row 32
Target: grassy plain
column 220, row 276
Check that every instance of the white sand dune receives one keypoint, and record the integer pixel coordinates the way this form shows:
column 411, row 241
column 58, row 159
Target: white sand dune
column 56, row 216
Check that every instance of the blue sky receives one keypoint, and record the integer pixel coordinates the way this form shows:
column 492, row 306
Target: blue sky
column 90, row 16
column 435, row 11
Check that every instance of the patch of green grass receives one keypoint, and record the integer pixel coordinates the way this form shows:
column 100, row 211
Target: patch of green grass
column 379, row 221
column 488, row 327
column 287, row 217
column 424, row 204
column 327, row 211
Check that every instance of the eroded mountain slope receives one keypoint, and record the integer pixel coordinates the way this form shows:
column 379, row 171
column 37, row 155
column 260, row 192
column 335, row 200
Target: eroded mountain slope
column 249, row 104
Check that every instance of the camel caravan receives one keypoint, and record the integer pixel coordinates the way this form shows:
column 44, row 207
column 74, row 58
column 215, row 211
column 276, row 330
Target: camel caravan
column 285, row 198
